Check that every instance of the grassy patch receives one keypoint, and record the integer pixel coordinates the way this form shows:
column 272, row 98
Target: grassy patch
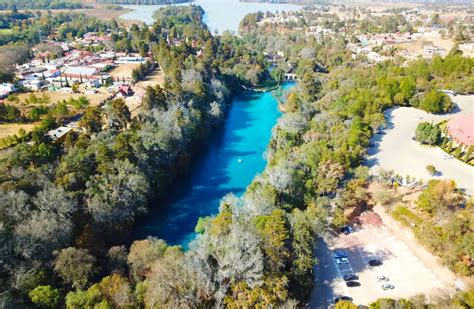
column 5, row 31
column 406, row 216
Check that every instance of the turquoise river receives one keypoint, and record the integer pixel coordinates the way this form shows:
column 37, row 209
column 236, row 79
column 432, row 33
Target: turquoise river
column 229, row 161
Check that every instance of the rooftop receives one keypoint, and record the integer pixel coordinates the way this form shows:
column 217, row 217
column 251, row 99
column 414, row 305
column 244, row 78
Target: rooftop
column 461, row 128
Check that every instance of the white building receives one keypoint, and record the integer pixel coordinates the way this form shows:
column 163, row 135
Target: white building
column 130, row 60
column 6, row 89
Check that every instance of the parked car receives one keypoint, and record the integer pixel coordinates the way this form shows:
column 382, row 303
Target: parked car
column 339, row 298
column 342, row 261
column 375, row 262
column 346, row 229
column 339, row 254
column 350, row 277
column 352, row 284
column 387, row 286
column 382, row 278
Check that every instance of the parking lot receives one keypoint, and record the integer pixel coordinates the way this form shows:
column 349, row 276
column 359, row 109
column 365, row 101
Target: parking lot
column 404, row 270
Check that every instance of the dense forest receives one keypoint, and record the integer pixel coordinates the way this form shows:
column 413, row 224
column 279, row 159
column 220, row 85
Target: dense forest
column 39, row 4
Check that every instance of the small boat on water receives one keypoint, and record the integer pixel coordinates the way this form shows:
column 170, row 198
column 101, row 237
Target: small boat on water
column 239, row 160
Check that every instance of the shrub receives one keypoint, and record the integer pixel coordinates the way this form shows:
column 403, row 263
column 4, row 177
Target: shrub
column 435, row 101
column 427, row 133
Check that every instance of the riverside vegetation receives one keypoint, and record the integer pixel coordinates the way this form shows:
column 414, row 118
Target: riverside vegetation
column 66, row 208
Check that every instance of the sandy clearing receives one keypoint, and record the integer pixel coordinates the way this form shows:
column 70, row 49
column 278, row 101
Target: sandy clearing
column 397, row 151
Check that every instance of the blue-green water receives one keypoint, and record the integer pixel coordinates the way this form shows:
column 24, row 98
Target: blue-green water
column 216, row 170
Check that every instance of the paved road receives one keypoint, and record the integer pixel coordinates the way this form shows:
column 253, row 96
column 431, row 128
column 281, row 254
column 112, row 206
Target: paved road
column 397, row 151
column 325, row 272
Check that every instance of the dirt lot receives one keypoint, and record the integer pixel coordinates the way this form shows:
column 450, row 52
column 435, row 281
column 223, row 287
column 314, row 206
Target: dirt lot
column 9, row 129
column 123, row 70
column 406, row 269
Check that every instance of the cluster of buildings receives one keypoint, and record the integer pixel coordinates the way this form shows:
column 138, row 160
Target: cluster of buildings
column 381, row 47
column 86, row 68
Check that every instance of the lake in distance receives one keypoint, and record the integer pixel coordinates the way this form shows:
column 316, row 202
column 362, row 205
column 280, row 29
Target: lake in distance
column 220, row 15
column 232, row 156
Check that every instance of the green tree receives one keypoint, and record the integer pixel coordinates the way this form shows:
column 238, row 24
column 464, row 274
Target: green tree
column 118, row 114
column 439, row 195
column 92, row 120
column 274, row 231
column 431, row 169
column 345, row 304
column 435, row 101
column 427, row 133
column 45, row 296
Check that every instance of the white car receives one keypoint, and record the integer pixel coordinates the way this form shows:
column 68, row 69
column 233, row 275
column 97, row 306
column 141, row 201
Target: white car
column 342, row 261
column 387, row 286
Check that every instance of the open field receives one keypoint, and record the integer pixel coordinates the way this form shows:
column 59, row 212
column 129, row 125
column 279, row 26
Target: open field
column 406, row 269
column 155, row 77
column 397, row 151
column 98, row 10
column 417, row 46
column 123, row 70
column 8, row 129
column 94, row 99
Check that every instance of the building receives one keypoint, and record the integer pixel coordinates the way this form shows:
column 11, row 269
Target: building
column 130, row 60
column 33, row 85
column 461, row 129
column 125, row 90
column 58, row 133
column 6, row 89
column 78, row 72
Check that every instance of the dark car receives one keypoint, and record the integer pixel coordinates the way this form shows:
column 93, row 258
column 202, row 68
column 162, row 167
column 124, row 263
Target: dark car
column 339, row 254
column 375, row 262
column 352, row 284
column 346, row 229
column 339, row 298
column 350, row 277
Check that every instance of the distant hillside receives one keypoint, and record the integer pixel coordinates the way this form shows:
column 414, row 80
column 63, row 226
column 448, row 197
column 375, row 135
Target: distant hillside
column 144, row 2
column 39, row 4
